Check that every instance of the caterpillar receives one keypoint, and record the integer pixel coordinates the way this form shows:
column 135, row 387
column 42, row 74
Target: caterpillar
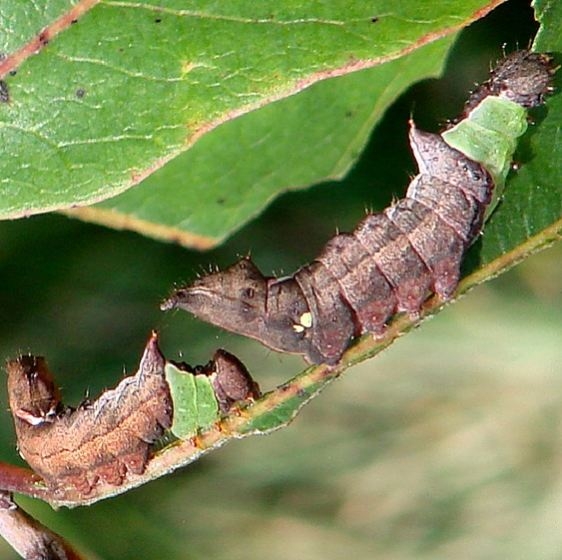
column 105, row 440
column 395, row 259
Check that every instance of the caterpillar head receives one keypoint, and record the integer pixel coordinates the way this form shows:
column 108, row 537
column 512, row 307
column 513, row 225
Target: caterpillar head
column 241, row 299
column 233, row 299
column 523, row 77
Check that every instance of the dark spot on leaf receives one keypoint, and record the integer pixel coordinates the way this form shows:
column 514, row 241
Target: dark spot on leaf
column 157, row 20
column 374, row 19
column 74, row 21
column 4, row 92
column 43, row 38
column 220, row 201
column 80, row 93
column 12, row 72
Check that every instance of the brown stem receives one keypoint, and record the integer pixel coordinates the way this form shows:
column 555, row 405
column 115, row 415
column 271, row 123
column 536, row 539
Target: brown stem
column 29, row 538
column 22, row 480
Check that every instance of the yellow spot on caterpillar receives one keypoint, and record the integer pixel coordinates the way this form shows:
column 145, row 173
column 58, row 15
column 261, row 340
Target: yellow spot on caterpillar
column 305, row 322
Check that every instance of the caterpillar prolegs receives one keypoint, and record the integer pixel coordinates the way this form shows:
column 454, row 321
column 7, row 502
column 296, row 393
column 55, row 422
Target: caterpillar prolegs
column 395, row 259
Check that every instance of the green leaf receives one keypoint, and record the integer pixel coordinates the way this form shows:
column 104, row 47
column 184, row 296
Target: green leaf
column 234, row 171
column 117, row 90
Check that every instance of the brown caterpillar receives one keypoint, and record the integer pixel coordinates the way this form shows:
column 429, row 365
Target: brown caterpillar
column 391, row 262
column 106, row 439
column 103, row 440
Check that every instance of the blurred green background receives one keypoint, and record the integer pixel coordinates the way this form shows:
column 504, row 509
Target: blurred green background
column 447, row 445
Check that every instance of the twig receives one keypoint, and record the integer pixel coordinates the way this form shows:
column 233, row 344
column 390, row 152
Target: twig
column 29, row 538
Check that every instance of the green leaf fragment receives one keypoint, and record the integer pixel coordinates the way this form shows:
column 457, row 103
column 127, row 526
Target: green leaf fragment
column 195, row 404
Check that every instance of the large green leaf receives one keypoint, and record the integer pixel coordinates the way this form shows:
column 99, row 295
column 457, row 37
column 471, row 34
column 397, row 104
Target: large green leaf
column 129, row 86
column 233, row 172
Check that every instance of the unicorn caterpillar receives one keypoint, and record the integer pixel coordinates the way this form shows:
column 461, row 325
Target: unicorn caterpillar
column 395, row 259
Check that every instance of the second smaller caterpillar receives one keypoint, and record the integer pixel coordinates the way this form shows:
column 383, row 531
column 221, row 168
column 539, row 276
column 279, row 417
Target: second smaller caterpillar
column 106, row 440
